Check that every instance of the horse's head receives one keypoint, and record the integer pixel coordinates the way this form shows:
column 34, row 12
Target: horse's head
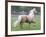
column 31, row 12
column 34, row 10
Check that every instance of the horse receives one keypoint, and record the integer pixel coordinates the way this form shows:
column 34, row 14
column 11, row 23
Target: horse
column 26, row 18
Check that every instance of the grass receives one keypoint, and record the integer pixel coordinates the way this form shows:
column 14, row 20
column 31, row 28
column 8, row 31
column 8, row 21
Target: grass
column 26, row 26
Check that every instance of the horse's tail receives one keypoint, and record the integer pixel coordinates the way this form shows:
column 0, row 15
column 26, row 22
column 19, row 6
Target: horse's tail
column 17, row 21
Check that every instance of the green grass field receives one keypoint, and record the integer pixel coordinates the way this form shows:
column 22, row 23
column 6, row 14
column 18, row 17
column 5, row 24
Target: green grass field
column 26, row 26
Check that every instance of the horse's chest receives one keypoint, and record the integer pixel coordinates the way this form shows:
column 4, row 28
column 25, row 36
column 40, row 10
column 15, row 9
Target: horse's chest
column 30, row 17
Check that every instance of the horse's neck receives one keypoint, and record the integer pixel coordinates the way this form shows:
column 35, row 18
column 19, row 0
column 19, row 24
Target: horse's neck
column 31, row 13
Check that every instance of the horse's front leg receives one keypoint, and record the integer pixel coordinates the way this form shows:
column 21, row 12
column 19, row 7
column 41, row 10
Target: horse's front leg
column 21, row 26
column 33, row 20
column 29, row 25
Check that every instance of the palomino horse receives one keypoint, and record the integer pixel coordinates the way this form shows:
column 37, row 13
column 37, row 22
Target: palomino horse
column 26, row 18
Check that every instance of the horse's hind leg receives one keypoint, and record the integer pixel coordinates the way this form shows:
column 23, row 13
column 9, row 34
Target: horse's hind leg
column 20, row 19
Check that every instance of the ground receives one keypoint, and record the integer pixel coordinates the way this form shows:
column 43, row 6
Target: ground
column 26, row 26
